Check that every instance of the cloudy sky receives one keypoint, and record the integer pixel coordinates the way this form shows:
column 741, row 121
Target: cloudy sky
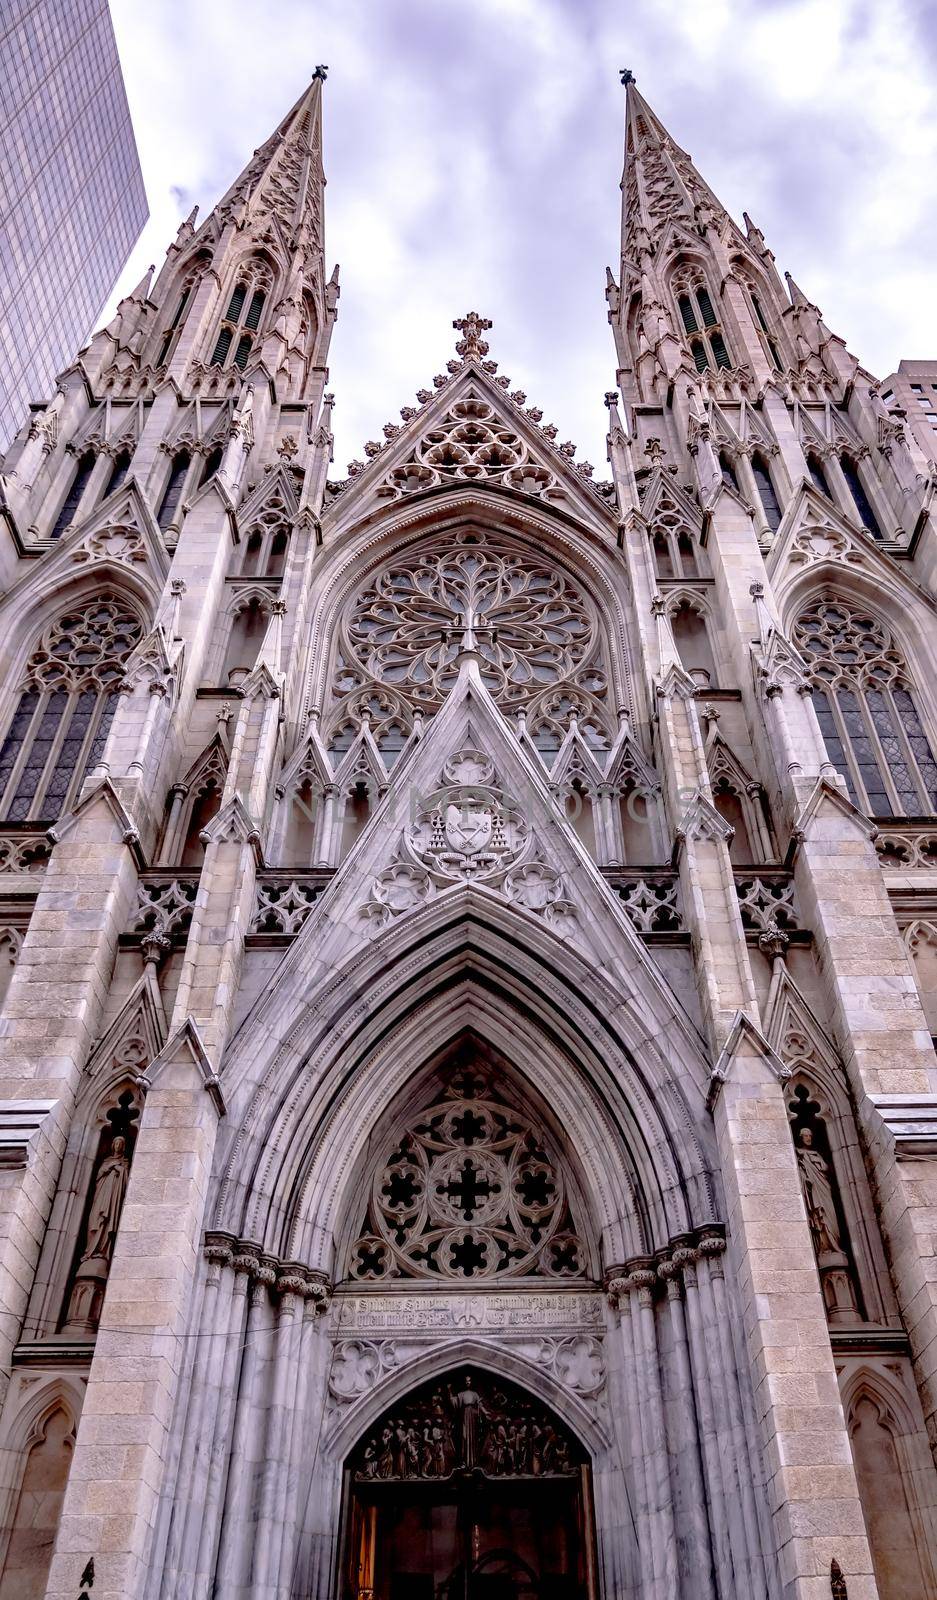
column 473, row 150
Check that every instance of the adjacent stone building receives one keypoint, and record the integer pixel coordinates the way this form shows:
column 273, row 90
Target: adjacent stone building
column 469, row 1107
column 72, row 202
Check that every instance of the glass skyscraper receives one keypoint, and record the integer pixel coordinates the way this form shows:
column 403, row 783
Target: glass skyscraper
column 72, row 201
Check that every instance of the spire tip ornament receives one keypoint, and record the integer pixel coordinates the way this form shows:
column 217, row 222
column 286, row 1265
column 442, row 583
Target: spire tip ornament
column 471, row 327
column 320, row 72
column 626, row 75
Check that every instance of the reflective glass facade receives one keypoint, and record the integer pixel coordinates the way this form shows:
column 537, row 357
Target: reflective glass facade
column 72, row 201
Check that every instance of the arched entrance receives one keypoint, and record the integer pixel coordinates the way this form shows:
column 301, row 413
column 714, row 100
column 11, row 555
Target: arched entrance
column 468, row 1489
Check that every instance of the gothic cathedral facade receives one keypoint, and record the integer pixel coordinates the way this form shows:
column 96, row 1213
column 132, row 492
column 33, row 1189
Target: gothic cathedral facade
column 469, row 949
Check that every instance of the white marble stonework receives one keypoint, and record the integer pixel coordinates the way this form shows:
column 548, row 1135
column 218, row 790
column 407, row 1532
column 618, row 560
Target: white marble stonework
column 468, row 945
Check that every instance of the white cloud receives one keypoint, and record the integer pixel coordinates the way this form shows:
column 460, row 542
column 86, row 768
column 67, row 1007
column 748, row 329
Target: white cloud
column 474, row 153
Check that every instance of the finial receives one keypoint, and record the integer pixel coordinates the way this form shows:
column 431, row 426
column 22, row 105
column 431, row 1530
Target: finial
column 627, row 76
column 471, row 327
column 320, row 72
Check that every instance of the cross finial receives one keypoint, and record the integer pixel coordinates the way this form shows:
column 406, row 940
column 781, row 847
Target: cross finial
column 471, row 327
column 626, row 75
column 321, row 72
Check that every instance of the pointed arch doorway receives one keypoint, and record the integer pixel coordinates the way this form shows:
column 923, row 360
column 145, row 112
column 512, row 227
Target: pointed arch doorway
column 469, row 1488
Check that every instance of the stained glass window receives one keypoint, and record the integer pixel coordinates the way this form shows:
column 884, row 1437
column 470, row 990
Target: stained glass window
column 66, row 705
column 867, row 711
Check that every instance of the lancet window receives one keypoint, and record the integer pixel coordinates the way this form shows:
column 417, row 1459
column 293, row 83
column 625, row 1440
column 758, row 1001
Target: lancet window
column 676, row 551
column 770, row 504
column 691, row 636
column 468, row 1188
column 172, row 493
column 761, row 323
column 66, row 706
column 868, row 710
column 186, row 291
column 818, row 475
column 241, row 320
column 118, row 472
column 701, row 325
column 265, row 546
column 860, row 499
column 536, row 633
column 74, row 495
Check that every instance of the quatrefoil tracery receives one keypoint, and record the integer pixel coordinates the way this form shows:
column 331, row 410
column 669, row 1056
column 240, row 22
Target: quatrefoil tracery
column 468, row 1191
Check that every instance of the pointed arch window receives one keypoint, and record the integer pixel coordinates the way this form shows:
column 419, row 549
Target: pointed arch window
column 66, row 705
column 698, row 314
column 118, row 472
column 241, row 321
column 861, row 501
column 469, row 1188
column 868, row 710
column 770, row 504
column 728, row 472
column 762, row 322
column 212, row 463
column 169, row 337
column 818, row 475
column 76, row 489
column 172, row 493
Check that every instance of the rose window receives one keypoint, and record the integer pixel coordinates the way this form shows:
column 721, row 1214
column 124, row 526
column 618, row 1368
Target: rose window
column 532, row 628
column 469, row 1191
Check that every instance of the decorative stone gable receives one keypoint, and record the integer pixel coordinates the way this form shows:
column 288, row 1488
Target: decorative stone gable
column 469, row 831
column 472, row 443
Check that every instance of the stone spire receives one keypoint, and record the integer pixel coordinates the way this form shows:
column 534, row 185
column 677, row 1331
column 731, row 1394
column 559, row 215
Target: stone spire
column 660, row 183
column 282, row 185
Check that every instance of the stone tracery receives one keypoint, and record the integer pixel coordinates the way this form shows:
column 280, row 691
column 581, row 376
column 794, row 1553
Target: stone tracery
column 468, row 1191
column 534, row 630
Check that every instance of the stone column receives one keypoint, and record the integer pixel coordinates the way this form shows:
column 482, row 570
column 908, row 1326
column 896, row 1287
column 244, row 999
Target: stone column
column 110, row 1507
column 51, row 1017
column 812, row 1491
column 692, row 1520
column 658, row 1549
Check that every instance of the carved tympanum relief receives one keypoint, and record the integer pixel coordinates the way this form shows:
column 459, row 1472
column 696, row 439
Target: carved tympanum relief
column 469, row 1190
column 467, row 1423
column 534, row 630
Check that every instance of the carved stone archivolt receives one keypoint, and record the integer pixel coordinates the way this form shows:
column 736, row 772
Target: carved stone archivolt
column 534, row 630
column 469, row 1190
column 467, row 1423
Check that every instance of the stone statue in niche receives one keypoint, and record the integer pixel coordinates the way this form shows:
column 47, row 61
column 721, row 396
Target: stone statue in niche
column 107, row 1199
column 818, row 1182
column 468, row 1427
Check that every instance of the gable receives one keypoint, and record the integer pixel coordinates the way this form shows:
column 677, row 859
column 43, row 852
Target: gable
column 473, row 432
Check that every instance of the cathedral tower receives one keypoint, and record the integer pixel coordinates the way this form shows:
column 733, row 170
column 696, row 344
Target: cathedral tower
column 469, row 1106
